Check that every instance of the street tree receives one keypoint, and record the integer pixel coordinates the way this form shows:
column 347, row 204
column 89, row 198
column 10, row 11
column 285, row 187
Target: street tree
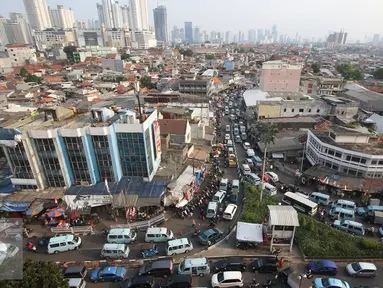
column 125, row 56
column 267, row 134
column 24, row 72
column 315, row 67
column 69, row 50
column 39, row 274
column 146, row 82
column 378, row 74
column 349, row 72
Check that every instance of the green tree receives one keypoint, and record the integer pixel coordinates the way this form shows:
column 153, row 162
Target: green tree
column 303, row 221
column 24, row 72
column 315, row 67
column 125, row 56
column 69, row 50
column 187, row 52
column 146, row 82
column 32, row 78
column 241, row 50
column 154, row 69
column 349, row 72
column 39, row 274
column 210, row 57
column 267, row 134
column 311, row 226
column 378, row 74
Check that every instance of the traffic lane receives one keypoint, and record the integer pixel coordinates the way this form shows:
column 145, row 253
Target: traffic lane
column 342, row 274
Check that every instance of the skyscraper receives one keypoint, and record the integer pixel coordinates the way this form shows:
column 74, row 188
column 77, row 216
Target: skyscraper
column 197, row 35
column 161, row 23
column 139, row 15
column 117, row 15
column 375, row 40
column 125, row 11
column 37, row 12
column 252, row 35
column 61, row 17
column 100, row 13
column 107, row 10
column 25, row 33
column 188, row 32
column 228, row 37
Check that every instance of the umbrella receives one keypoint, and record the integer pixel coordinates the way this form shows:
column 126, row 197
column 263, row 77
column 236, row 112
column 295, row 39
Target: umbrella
column 34, row 210
column 54, row 213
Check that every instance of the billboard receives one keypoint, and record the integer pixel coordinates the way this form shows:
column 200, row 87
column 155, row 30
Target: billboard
column 157, row 138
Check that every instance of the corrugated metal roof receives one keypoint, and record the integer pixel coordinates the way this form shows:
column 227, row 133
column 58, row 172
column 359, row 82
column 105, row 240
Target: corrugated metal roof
column 283, row 216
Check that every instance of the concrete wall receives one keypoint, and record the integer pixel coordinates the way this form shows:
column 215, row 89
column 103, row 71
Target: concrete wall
column 197, row 130
column 278, row 76
column 304, row 108
column 345, row 111
column 269, row 110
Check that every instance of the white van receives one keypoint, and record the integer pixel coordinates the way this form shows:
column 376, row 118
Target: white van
column 229, row 143
column 320, row 198
column 156, row 235
column 269, row 189
column 245, row 168
column 121, row 236
column 219, row 196
column 115, row 251
column 227, row 128
column 63, row 243
column 211, row 210
column 223, row 184
column 250, row 153
column 346, row 204
column 252, row 178
column 273, row 176
column 349, row 226
column 235, row 186
column 194, row 266
column 230, row 212
column 178, row 246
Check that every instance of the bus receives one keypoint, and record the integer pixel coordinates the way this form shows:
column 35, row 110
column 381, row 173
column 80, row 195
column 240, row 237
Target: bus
column 301, row 204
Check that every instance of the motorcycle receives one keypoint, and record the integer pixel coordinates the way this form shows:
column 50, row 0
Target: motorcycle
column 31, row 247
column 275, row 251
column 254, row 283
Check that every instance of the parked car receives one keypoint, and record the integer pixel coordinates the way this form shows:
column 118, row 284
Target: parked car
column 138, row 282
column 230, row 264
column 330, row 283
column 264, row 265
column 210, row 236
column 289, row 188
column 273, row 176
column 108, row 274
column 246, row 146
column 323, row 267
column 227, row 137
column 361, row 269
column 249, row 162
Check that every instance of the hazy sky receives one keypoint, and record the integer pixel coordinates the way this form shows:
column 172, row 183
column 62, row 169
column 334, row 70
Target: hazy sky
column 310, row 18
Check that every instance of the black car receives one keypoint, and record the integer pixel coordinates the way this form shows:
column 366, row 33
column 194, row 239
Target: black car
column 230, row 264
column 177, row 281
column 210, row 236
column 289, row 188
column 264, row 265
column 138, row 282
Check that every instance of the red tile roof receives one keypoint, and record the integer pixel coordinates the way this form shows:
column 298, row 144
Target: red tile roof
column 111, row 56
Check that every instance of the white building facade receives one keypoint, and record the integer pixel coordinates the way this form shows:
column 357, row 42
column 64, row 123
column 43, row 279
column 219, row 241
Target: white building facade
column 61, row 17
column 354, row 163
column 38, row 15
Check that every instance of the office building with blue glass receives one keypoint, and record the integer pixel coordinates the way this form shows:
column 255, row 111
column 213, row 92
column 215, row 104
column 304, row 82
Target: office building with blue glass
column 60, row 147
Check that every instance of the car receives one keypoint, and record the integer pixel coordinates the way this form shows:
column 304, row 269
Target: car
column 289, row 188
column 210, row 236
column 235, row 125
column 264, row 265
column 246, row 146
column 323, row 267
column 361, row 269
column 227, row 137
column 227, row 279
column 249, row 162
column 238, row 112
column 108, row 274
column 330, row 283
column 230, row 264
column 138, row 282
column 250, row 153
column 176, row 281
column 273, row 176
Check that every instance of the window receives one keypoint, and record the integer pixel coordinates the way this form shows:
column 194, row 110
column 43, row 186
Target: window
column 309, row 110
column 363, row 160
column 292, row 110
column 335, row 167
column 310, row 91
column 284, row 110
column 331, row 152
column 310, row 85
column 352, row 172
column 301, row 110
column 348, row 158
column 318, row 110
column 355, row 159
column 380, row 162
column 338, row 155
column 374, row 162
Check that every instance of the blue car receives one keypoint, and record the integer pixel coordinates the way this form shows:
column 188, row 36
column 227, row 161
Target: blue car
column 330, row 283
column 108, row 274
column 323, row 267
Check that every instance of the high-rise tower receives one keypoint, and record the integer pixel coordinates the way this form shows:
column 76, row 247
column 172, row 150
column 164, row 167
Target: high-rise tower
column 161, row 23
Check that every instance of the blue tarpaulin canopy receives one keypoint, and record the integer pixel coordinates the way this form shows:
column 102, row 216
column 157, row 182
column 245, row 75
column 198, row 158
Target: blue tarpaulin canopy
column 15, row 206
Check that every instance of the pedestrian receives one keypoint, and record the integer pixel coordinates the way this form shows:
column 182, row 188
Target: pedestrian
column 281, row 262
column 193, row 224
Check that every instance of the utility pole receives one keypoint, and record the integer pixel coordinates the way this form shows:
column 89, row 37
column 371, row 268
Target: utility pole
column 137, row 90
column 263, row 172
column 303, row 156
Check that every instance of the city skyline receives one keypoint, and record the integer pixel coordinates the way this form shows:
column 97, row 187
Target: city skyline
column 307, row 24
